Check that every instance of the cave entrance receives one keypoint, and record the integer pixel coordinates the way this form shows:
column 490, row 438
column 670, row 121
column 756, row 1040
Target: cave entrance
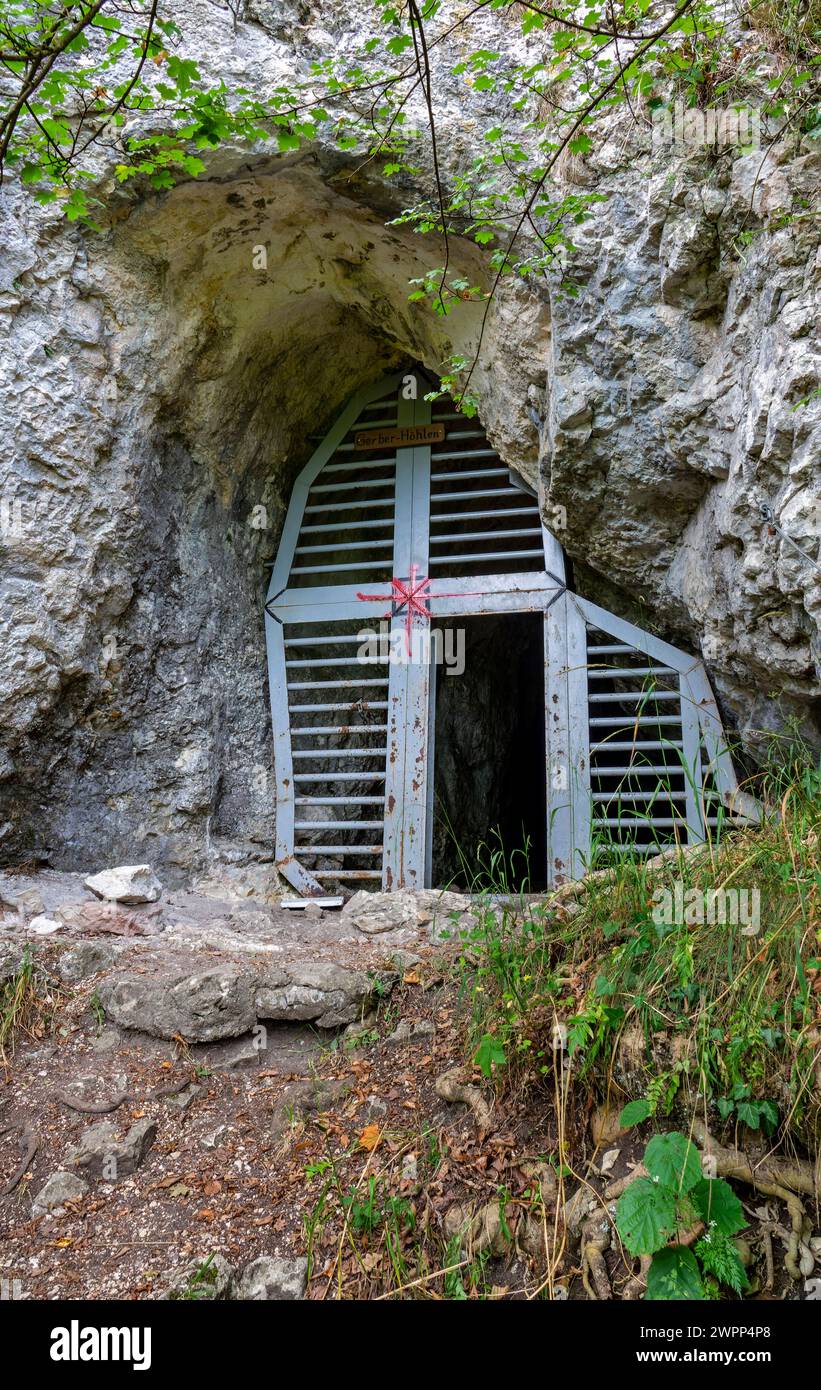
column 404, row 523
column 489, row 813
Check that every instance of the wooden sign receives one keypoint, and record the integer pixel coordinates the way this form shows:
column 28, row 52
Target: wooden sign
column 400, row 438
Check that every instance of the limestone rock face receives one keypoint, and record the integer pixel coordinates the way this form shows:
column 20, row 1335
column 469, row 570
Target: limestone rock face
column 202, row 1006
column 159, row 393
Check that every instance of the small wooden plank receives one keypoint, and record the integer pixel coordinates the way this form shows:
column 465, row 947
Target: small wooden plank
column 405, row 436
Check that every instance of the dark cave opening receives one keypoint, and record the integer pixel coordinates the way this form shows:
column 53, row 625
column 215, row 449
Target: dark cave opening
column 489, row 792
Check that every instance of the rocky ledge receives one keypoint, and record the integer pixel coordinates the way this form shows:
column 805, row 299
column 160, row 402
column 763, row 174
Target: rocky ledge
column 203, row 969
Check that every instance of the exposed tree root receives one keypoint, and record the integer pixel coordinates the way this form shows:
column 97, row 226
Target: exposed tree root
column 616, row 1188
column 453, row 1087
column 772, row 1176
column 637, row 1286
column 28, row 1142
column 172, row 1089
column 767, row 1243
column 595, row 1240
column 93, row 1107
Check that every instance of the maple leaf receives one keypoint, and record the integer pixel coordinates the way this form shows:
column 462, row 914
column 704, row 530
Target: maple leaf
column 369, row 1138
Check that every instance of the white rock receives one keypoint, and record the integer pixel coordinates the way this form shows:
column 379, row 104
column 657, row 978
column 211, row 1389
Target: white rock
column 129, row 883
column 44, row 926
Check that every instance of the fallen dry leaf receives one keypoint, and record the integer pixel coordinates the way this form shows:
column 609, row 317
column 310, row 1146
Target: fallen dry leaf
column 369, row 1138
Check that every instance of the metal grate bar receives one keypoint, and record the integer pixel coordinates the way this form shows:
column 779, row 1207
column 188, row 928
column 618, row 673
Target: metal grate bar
column 635, row 746
column 351, row 506
column 651, row 822
column 322, row 641
column 358, row 705
column 339, row 753
column 482, row 556
column 386, row 523
column 353, row 487
column 350, row 545
column 477, row 492
column 459, row 434
column 606, row 672
column 467, row 473
column 340, row 728
column 451, row 536
column 660, row 794
column 347, row 873
column 339, row 801
column 482, row 515
column 339, row 777
column 356, row 565
column 333, row 685
column 350, row 850
column 339, row 824
column 350, row 464
column 673, row 770
column 631, row 722
column 325, row 661
column 635, row 695
column 466, row 454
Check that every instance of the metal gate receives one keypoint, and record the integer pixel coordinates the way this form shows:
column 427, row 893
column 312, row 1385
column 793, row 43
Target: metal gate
column 406, row 513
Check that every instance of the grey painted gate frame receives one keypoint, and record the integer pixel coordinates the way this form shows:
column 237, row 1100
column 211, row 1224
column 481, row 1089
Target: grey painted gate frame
column 409, row 768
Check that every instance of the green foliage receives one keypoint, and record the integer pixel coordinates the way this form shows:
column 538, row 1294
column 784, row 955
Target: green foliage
column 634, row 1113
column 654, row 1210
column 719, row 1257
column 755, row 1113
column 674, row 1274
column 672, row 1160
column 489, row 1054
column 647, row 1216
column 373, row 1208
column 93, row 73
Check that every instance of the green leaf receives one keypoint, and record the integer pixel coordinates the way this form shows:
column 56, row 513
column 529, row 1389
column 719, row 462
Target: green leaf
column 634, row 1113
column 716, row 1203
column 31, row 173
column 674, row 1160
column 645, row 1216
column 182, row 71
column 674, row 1274
column 489, row 1053
column 720, row 1258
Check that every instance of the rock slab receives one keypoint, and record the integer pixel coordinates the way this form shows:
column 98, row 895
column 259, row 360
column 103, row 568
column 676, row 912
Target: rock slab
column 128, row 883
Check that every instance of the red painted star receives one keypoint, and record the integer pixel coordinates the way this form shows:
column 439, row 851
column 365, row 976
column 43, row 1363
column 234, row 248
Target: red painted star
column 412, row 592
